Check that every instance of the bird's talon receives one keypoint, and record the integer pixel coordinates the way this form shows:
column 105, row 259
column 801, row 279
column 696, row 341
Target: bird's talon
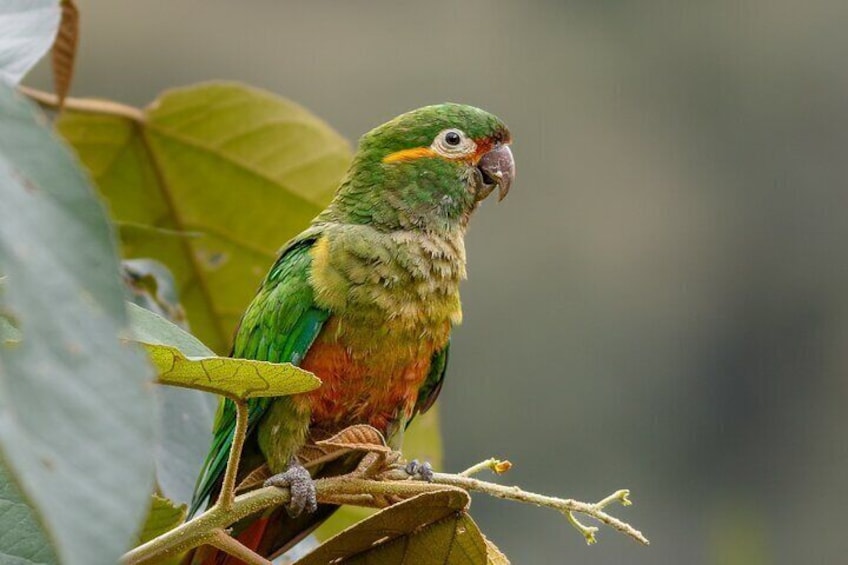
column 301, row 488
column 422, row 471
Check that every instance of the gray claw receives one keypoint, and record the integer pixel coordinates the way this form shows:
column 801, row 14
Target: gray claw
column 301, row 487
column 423, row 471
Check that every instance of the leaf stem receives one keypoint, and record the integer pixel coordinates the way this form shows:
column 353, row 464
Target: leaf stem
column 90, row 105
column 228, row 486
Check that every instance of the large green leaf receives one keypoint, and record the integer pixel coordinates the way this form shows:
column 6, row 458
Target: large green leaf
column 8, row 332
column 76, row 406
column 428, row 529
column 185, row 415
column 22, row 542
column 162, row 517
column 185, row 421
column 237, row 170
column 27, row 30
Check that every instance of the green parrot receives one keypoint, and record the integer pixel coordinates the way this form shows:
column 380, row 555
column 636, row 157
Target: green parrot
column 365, row 298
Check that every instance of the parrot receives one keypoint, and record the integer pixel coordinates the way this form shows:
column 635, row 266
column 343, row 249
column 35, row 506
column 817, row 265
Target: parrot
column 365, row 298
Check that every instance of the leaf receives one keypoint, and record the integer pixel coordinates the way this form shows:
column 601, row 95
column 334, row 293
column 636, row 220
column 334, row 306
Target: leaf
column 185, row 416
column 238, row 379
column 342, row 519
column 27, row 29
column 8, row 332
column 152, row 287
column 421, row 441
column 76, row 409
column 243, row 168
column 133, row 234
column 428, row 529
column 65, row 50
column 149, row 327
column 185, row 423
column 235, row 378
column 22, row 541
column 360, row 437
column 162, row 517
column 255, row 479
column 494, row 556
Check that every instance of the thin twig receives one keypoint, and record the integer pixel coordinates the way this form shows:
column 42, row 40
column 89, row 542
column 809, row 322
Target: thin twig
column 562, row 504
column 619, row 496
column 496, row 466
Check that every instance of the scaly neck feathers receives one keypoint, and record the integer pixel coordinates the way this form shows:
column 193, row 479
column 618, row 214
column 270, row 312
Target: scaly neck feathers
column 399, row 282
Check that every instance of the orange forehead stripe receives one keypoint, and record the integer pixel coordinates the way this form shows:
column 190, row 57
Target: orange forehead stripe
column 409, row 154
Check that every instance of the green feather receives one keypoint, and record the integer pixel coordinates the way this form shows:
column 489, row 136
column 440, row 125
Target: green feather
column 431, row 388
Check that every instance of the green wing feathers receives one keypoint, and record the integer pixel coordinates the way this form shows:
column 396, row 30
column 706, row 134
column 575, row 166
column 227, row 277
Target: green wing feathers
column 280, row 326
column 433, row 385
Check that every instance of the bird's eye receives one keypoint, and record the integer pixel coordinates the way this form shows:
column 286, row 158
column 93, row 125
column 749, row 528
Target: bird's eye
column 453, row 144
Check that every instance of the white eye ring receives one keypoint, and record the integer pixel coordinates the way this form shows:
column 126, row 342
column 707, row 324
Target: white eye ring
column 453, row 144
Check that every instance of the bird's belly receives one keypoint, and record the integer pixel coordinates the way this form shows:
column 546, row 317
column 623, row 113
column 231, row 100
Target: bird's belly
column 367, row 379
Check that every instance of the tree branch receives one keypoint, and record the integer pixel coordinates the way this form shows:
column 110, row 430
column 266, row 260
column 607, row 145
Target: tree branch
column 373, row 492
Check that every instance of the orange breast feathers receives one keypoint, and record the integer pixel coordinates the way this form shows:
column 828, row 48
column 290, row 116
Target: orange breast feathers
column 364, row 387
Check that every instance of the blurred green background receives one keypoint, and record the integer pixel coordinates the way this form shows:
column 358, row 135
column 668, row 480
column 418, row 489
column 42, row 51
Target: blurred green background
column 661, row 302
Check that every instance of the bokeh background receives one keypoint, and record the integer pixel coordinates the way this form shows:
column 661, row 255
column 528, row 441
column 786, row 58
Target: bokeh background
column 661, row 302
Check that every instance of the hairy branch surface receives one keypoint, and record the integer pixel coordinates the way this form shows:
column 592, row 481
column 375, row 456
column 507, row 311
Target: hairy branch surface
column 374, row 492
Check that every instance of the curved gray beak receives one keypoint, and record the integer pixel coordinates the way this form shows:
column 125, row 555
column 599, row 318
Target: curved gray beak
column 497, row 168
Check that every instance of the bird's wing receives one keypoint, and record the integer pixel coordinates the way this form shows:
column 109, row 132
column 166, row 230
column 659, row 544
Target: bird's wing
column 432, row 386
column 280, row 325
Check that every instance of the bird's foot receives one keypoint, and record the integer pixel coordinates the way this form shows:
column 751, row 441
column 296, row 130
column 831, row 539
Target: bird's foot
column 301, row 488
column 421, row 471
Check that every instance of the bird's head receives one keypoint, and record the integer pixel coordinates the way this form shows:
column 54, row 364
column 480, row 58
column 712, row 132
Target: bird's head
column 426, row 169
